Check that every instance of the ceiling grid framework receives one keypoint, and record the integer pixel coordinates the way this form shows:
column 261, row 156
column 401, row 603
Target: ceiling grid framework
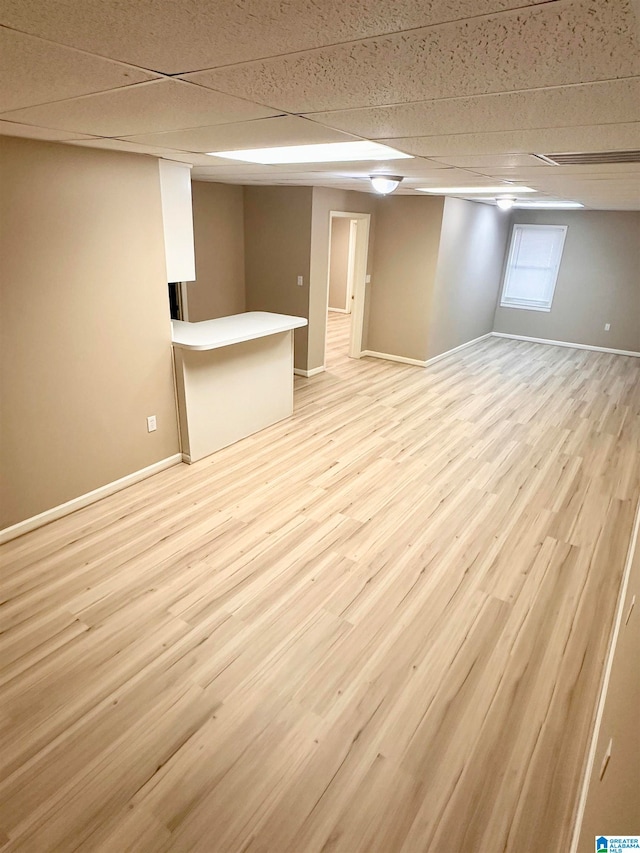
column 471, row 88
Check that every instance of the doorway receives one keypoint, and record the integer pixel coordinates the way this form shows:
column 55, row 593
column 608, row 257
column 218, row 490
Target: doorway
column 178, row 306
column 346, row 280
column 341, row 263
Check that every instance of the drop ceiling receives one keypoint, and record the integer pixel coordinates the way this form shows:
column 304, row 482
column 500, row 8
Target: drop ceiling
column 472, row 88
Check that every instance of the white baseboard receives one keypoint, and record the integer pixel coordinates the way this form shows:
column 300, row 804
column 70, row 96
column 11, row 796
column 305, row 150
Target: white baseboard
column 604, row 687
column 388, row 357
column 339, row 310
column 416, row 362
column 313, row 372
column 186, row 458
column 457, row 349
column 56, row 512
column 565, row 344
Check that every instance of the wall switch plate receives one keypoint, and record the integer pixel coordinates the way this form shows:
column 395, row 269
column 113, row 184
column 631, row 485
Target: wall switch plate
column 367, row 279
column 151, row 423
column 300, row 280
column 607, row 326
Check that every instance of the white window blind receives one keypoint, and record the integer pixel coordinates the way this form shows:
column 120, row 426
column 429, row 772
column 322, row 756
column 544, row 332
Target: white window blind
column 532, row 266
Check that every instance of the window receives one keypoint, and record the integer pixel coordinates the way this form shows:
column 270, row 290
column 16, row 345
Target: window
column 532, row 266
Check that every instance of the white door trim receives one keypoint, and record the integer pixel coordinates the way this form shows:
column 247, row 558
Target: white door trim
column 351, row 263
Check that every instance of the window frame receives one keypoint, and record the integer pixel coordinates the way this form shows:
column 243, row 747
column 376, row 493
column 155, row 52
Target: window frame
column 531, row 305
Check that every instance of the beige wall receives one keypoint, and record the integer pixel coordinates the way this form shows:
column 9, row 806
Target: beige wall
column 598, row 282
column 85, row 330
column 468, row 276
column 218, row 224
column 339, row 262
column 277, row 229
column 324, row 201
column 404, row 269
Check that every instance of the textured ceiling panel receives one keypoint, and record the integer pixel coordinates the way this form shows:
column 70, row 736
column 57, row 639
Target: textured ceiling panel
column 33, row 71
column 522, row 162
column 201, row 173
column 630, row 182
column 175, row 36
column 550, row 45
column 566, row 171
column 261, row 174
column 605, row 137
column 612, row 101
column 407, row 168
column 152, row 150
column 394, row 167
column 27, row 131
column 478, row 84
column 588, row 191
column 263, row 133
column 146, row 108
column 279, row 180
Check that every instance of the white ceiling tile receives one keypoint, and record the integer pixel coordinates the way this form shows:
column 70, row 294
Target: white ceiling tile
column 29, row 131
column 590, row 194
column 175, row 36
column 415, row 172
column 262, row 133
column 630, row 182
column 330, row 174
column 135, row 148
column 478, row 95
column 145, row 108
column 553, row 44
column 540, row 173
column 417, row 166
column 605, row 137
column 241, row 170
column 506, row 162
column 33, row 71
column 603, row 103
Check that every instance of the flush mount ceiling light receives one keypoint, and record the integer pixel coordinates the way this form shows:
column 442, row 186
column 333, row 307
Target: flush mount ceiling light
column 506, row 203
column 385, row 184
column 330, row 152
column 503, row 188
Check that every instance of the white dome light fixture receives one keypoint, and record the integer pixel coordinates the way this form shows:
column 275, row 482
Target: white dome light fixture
column 384, row 184
column 505, row 203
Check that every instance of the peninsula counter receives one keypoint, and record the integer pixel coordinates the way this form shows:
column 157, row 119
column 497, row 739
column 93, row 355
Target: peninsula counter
column 234, row 376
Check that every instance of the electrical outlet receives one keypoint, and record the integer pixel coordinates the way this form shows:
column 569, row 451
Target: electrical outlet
column 607, row 326
column 151, row 423
column 300, row 280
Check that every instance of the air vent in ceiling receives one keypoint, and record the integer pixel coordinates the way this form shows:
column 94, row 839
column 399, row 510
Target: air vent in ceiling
column 596, row 158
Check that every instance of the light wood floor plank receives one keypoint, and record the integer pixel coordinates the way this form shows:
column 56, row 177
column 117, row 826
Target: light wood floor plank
column 376, row 627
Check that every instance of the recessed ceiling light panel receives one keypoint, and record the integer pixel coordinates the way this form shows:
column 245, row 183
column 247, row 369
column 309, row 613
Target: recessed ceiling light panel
column 329, row 152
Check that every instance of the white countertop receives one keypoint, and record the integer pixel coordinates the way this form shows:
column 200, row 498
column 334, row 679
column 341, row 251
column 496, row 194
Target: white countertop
column 224, row 331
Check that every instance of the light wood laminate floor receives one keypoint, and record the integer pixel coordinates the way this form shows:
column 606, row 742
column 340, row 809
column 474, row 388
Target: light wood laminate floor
column 376, row 627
